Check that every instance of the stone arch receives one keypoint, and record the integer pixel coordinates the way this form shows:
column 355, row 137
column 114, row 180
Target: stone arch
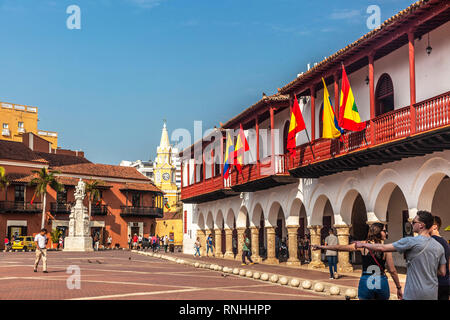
column 428, row 178
column 242, row 219
column 201, row 221
column 258, row 213
column 382, row 200
column 209, row 221
column 441, row 203
column 230, row 220
column 219, row 221
column 273, row 213
column 380, row 191
column 318, row 209
column 347, row 206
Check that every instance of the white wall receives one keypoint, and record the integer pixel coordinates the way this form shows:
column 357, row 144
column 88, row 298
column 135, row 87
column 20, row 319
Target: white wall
column 433, row 71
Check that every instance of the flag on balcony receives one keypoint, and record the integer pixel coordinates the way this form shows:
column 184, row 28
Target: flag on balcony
column 32, row 199
column 239, row 150
column 296, row 125
column 348, row 111
column 331, row 127
column 229, row 156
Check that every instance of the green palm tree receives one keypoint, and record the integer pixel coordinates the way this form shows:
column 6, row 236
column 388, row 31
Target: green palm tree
column 94, row 194
column 43, row 180
column 4, row 182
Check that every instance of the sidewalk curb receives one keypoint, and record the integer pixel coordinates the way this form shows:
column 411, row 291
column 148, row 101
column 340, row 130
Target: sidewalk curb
column 301, row 284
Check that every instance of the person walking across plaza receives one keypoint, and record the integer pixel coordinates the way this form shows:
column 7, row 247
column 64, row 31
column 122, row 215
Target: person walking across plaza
column 109, row 242
column 332, row 240
column 443, row 281
column 425, row 258
column 246, row 250
column 166, row 242
column 306, row 248
column 197, row 246
column 209, row 245
column 129, row 241
column 7, row 244
column 373, row 283
column 41, row 250
column 135, row 241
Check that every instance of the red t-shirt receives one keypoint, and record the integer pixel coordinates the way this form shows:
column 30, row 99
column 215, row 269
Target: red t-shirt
column 135, row 239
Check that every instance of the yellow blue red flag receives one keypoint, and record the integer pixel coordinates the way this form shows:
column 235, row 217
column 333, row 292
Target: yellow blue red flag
column 229, row 156
column 331, row 129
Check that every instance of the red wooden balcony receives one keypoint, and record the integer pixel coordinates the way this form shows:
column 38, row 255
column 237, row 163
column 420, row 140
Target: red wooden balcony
column 386, row 138
column 267, row 174
column 207, row 190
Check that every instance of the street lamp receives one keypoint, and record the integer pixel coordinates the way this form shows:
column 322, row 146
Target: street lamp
column 429, row 48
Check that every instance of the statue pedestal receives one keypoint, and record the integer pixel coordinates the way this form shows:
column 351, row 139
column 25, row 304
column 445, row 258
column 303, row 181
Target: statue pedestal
column 77, row 244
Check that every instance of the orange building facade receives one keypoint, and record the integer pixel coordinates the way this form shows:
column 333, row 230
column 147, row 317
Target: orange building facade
column 129, row 202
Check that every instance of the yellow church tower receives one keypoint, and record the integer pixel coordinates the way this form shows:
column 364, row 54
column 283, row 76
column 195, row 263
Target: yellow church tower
column 164, row 171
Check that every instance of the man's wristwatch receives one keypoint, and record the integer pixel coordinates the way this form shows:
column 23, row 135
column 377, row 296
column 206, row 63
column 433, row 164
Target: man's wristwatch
column 398, row 288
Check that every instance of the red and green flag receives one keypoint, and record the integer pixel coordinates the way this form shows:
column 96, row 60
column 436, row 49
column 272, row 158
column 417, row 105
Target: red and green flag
column 348, row 111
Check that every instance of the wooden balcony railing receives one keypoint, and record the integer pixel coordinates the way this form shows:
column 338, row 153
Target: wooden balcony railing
column 20, row 207
column 61, row 208
column 152, row 212
column 431, row 114
column 207, row 186
column 99, row 210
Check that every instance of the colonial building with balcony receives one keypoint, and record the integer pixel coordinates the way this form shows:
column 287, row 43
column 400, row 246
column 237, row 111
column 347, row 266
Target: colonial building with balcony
column 399, row 164
column 129, row 202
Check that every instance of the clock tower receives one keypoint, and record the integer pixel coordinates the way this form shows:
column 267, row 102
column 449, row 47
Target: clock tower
column 165, row 172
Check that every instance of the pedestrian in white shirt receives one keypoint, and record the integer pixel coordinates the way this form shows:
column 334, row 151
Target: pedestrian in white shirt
column 41, row 250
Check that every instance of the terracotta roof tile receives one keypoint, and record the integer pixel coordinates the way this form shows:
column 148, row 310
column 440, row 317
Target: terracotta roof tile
column 102, row 170
column 140, row 187
column 12, row 150
column 56, row 160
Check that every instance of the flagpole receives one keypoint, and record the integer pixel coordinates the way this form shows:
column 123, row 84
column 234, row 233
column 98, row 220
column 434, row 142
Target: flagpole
column 307, row 135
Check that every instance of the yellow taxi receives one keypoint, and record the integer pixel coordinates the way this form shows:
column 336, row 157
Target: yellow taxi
column 24, row 243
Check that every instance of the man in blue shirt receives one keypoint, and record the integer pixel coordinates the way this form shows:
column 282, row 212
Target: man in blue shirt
column 443, row 282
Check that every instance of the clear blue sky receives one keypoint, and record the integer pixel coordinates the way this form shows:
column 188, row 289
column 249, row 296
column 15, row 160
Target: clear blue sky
column 107, row 87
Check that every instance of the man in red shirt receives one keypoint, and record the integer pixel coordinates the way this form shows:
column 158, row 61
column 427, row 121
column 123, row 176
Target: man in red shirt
column 135, row 241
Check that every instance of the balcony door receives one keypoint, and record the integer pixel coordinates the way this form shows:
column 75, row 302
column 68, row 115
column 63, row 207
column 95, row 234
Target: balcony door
column 19, row 193
column 384, row 95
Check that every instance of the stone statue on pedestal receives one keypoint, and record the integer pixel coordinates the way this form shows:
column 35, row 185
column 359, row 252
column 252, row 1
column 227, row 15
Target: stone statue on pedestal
column 79, row 238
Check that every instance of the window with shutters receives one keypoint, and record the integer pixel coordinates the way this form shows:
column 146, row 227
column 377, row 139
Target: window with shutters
column 384, row 95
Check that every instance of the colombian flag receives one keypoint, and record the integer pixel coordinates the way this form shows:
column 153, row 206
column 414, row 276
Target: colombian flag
column 229, row 156
column 241, row 147
column 296, row 125
column 348, row 112
column 331, row 127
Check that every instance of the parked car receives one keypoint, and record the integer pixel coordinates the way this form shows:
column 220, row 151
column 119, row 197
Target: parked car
column 24, row 243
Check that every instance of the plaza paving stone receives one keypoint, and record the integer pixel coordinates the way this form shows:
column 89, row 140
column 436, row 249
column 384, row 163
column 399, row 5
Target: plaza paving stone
column 124, row 275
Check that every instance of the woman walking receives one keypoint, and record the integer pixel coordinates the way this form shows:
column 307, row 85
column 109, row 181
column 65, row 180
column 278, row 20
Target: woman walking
column 373, row 284
column 197, row 246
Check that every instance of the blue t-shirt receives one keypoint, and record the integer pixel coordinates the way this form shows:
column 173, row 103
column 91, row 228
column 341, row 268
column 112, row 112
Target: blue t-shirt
column 210, row 241
column 445, row 280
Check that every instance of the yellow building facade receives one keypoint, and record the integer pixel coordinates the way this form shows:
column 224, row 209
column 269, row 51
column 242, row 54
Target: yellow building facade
column 17, row 119
column 164, row 172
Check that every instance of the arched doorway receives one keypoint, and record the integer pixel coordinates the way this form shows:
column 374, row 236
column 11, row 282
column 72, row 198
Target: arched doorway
column 384, row 95
column 359, row 227
column 441, row 204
